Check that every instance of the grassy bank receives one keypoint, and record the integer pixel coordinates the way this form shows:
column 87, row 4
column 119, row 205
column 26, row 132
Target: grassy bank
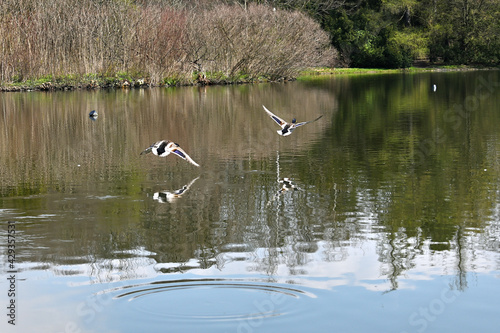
column 415, row 69
column 324, row 71
column 138, row 80
column 122, row 81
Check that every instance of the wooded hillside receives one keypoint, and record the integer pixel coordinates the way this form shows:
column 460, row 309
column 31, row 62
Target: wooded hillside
column 395, row 33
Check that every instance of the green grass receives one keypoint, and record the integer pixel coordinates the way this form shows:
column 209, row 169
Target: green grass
column 75, row 81
column 319, row 71
column 137, row 79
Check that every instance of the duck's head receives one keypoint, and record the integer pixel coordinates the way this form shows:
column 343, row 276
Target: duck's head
column 147, row 150
column 294, row 121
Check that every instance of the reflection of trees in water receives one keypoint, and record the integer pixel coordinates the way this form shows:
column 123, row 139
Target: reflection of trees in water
column 221, row 221
column 397, row 253
column 360, row 179
column 51, row 142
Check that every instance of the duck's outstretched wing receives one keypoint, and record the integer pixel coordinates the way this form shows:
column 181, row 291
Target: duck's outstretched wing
column 307, row 122
column 277, row 119
column 191, row 183
column 182, row 154
column 182, row 190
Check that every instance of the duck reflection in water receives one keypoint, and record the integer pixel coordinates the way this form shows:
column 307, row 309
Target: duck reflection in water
column 287, row 185
column 171, row 197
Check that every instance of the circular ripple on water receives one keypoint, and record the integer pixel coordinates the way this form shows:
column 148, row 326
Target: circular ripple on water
column 212, row 299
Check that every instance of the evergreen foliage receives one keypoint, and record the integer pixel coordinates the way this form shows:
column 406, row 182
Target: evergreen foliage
column 395, row 33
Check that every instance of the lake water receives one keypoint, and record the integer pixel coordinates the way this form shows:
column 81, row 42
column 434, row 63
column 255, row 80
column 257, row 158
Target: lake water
column 382, row 216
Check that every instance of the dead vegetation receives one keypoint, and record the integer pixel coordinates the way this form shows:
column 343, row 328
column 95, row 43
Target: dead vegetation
column 96, row 43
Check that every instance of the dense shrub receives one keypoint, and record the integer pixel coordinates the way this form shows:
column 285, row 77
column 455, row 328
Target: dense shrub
column 257, row 41
column 160, row 40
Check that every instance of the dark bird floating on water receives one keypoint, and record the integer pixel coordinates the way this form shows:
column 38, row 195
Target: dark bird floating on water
column 287, row 128
column 164, row 148
column 93, row 115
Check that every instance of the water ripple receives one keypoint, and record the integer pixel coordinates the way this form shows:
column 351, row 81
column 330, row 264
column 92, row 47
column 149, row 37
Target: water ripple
column 211, row 299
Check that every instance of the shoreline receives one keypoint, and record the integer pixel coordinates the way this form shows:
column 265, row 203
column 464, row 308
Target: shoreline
column 413, row 69
column 96, row 82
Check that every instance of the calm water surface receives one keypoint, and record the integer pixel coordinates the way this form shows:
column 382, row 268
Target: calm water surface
column 383, row 216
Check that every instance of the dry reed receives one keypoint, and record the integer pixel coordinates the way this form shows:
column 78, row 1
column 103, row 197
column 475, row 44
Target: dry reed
column 155, row 42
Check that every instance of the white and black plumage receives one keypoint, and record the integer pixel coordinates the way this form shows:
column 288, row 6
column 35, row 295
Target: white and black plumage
column 287, row 185
column 287, row 128
column 172, row 196
column 164, row 148
column 93, row 115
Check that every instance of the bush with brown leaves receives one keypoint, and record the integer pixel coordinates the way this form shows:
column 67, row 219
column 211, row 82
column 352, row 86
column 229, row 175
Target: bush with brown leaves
column 157, row 41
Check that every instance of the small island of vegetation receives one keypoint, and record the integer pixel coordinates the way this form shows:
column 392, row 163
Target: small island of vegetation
column 68, row 44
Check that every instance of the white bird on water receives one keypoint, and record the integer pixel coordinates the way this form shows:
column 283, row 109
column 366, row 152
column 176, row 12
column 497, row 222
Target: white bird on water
column 287, row 128
column 164, row 148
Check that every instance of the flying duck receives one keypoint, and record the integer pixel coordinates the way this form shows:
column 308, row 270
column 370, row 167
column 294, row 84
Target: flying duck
column 164, row 148
column 287, row 128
